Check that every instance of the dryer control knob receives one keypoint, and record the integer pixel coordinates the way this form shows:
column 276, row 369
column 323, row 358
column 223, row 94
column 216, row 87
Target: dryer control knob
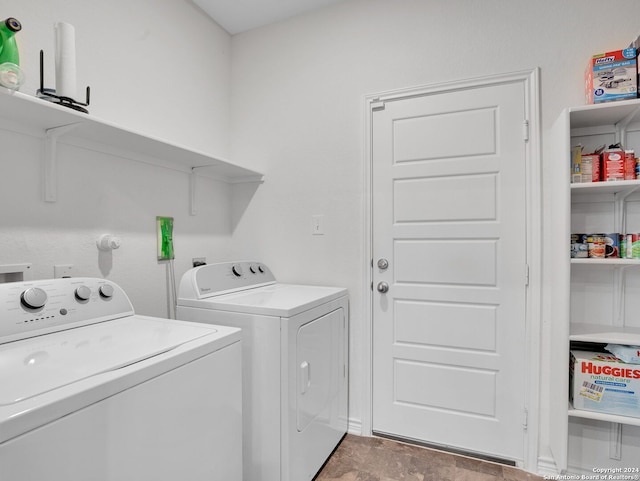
column 237, row 270
column 34, row 298
column 83, row 293
column 254, row 269
column 106, row 291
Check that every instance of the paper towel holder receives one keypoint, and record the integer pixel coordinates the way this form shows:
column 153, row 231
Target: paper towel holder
column 49, row 94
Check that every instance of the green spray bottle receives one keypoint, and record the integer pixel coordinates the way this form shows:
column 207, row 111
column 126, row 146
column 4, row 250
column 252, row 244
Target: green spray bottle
column 8, row 47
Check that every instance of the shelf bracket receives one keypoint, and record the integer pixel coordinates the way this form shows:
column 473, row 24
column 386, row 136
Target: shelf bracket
column 621, row 127
column 192, row 191
column 615, row 441
column 50, row 165
column 192, row 188
column 620, row 218
column 619, row 288
column 248, row 179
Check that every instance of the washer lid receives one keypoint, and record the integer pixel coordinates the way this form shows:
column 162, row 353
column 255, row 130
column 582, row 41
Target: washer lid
column 282, row 300
column 34, row 366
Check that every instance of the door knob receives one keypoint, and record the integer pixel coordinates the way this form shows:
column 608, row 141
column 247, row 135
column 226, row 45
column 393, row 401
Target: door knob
column 383, row 264
column 383, row 287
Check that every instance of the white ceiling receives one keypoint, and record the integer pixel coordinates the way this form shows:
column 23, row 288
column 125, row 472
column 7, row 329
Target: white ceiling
column 237, row 16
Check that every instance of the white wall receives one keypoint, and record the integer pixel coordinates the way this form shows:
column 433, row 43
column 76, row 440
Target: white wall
column 298, row 109
column 155, row 66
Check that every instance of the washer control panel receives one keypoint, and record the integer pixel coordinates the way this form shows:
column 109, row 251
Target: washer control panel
column 224, row 278
column 33, row 308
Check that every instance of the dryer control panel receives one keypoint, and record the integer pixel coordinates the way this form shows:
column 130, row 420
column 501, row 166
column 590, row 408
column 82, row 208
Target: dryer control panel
column 223, row 278
column 29, row 309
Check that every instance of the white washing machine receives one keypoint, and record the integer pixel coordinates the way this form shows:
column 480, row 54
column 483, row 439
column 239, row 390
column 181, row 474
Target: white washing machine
column 91, row 391
column 295, row 344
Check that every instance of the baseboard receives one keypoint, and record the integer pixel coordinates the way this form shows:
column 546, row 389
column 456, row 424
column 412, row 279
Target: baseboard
column 354, row 427
column 546, row 466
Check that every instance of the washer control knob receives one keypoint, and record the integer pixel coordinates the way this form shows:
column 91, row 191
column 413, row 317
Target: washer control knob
column 237, row 270
column 34, row 298
column 254, row 269
column 106, row 291
column 83, row 293
column 260, row 269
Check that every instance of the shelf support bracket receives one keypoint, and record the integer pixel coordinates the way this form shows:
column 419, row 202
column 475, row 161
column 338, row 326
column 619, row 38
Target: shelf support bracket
column 50, row 165
column 615, row 441
column 619, row 288
column 621, row 127
column 620, row 220
column 192, row 188
column 248, row 179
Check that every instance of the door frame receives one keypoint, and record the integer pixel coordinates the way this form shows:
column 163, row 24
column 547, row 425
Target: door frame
column 533, row 182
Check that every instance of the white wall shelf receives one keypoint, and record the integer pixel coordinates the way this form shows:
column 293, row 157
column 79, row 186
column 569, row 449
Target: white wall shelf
column 20, row 112
column 606, row 262
column 610, row 113
column 592, row 188
column 603, row 333
column 612, row 418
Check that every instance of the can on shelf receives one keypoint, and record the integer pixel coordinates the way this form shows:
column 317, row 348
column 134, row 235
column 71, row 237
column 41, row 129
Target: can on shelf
column 579, row 246
column 629, row 165
column 635, row 246
column 597, row 246
column 622, row 240
column 612, row 245
column 628, row 251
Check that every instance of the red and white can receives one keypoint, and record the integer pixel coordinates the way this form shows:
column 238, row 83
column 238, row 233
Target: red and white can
column 613, row 164
column 629, row 165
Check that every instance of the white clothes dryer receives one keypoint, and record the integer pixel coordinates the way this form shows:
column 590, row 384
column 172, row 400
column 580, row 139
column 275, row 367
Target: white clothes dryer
column 91, row 391
column 295, row 354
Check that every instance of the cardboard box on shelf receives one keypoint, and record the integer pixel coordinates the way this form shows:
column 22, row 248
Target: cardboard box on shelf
column 612, row 76
column 601, row 382
column 585, row 167
column 636, row 44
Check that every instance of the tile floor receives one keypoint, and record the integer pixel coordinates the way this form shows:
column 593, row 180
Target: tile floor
column 378, row 459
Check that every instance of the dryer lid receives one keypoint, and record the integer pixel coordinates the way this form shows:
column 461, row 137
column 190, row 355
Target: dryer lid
column 281, row 300
column 31, row 367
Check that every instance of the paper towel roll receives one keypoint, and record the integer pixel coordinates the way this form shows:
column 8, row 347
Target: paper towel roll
column 65, row 60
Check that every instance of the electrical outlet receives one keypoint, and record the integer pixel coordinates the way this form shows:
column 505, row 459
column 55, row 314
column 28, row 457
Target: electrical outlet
column 62, row 270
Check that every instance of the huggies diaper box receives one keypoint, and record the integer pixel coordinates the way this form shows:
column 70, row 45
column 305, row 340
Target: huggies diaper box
column 601, row 382
column 611, row 76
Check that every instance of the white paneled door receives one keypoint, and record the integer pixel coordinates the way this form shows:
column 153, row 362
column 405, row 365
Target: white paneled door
column 449, row 268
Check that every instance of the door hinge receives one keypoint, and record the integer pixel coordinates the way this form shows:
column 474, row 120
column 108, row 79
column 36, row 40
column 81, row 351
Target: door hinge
column 525, row 418
column 377, row 104
column 526, row 274
column 525, row 130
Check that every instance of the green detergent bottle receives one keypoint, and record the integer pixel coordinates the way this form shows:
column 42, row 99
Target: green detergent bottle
column 8, row 47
